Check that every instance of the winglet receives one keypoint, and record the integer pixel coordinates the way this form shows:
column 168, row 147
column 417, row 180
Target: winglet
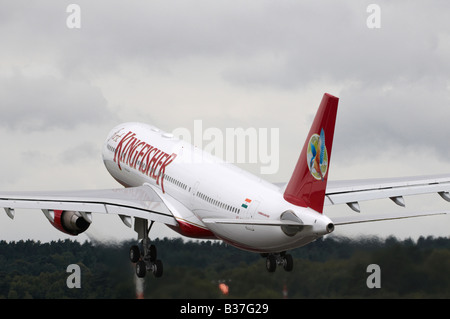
column 308, row 183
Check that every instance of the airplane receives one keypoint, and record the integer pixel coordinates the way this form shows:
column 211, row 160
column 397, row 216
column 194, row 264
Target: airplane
column 167, row 180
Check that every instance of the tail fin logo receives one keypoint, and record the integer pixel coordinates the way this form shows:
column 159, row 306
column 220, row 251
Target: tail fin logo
column 317, row 156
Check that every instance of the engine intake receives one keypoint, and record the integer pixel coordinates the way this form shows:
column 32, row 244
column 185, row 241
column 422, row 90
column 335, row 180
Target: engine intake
column 69, row 222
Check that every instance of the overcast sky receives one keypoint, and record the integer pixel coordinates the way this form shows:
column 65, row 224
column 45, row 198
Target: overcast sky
column 258, row 64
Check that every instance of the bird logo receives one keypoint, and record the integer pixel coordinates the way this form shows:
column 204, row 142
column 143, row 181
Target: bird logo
column 317, row 156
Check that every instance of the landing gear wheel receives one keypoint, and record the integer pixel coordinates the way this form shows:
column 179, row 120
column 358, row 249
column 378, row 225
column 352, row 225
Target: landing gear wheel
column 141, row 269
column 279, row 259
column 135, row 253
column 157, row 268
column 271, row 263
column 288, row 263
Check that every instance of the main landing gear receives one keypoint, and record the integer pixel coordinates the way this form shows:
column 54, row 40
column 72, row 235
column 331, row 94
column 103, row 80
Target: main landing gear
column 278, row 259
column 145, row 255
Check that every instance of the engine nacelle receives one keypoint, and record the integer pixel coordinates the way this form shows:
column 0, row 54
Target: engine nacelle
column 69, row 222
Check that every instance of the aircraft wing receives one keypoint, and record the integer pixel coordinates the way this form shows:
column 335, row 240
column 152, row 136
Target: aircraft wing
column 141, row 202
column 351, row 192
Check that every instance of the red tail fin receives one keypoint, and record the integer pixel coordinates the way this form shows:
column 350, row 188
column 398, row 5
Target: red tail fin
column 308, row 183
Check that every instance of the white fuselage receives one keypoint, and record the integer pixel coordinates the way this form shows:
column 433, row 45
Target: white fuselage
column 201, row 186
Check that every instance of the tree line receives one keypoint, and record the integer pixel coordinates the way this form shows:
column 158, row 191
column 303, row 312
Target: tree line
column 328, row 268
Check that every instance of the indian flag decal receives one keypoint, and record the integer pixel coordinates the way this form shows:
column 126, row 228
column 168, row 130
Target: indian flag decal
column 246, row 203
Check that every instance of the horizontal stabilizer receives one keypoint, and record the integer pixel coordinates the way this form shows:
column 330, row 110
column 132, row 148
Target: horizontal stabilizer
column 354, row 191
column 375, row 218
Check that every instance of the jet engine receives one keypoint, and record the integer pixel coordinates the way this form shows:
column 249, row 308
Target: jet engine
column 69, row 222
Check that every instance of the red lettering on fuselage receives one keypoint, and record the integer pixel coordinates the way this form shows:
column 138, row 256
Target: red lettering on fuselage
column 144, row 157
column 119, row 149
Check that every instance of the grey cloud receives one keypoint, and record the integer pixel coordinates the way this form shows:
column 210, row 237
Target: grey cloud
column 404, row 115
column 44, row 103
column 286, row 44
column 335, row 44
column 77, row 153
